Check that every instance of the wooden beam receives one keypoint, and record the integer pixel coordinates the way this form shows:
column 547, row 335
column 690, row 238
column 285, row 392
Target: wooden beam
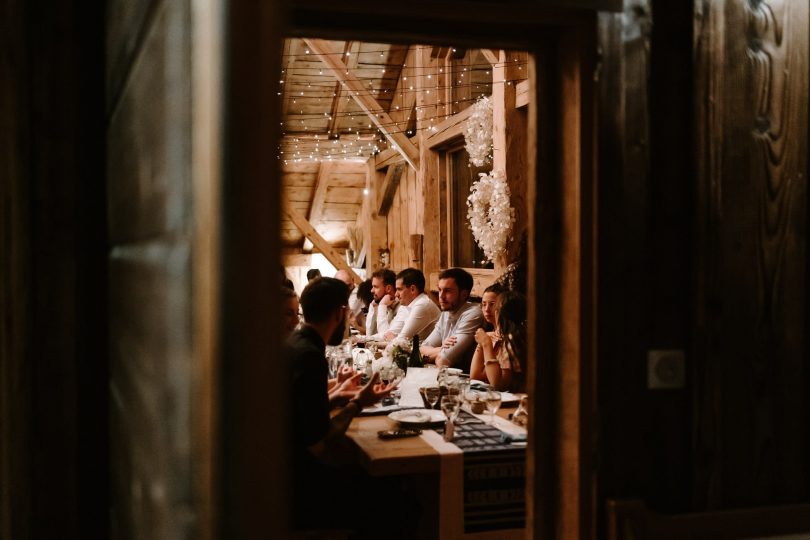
column 387, row 157
column 375, row 227
column 404, row 99
column 449, row 129
column 360, row 94
column 328, row 251
column 522, row 93
column 351, row 48
column 318, row 199
column 389, row 188
column 490, row 55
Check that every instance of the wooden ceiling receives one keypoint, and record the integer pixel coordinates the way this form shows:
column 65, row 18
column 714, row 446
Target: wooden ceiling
column 343, row 102
column 327, row 135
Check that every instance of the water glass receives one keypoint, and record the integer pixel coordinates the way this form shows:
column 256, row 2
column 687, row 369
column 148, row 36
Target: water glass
column 493, row 402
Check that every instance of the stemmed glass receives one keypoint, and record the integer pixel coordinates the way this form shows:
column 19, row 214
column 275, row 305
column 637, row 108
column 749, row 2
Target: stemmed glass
column 450, row 408
column 493, row 401
column 521, row 415
column 432, row 394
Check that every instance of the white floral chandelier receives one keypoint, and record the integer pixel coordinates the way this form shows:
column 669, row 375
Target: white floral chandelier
column 478, row 132
column 490, row 214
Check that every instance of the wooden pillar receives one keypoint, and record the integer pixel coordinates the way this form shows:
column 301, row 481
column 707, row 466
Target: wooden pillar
column 509, row 141
column 375, row 227
column 426, row 100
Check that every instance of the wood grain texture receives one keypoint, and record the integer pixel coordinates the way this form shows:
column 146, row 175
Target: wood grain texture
column 153, row 378
column 127, row 23
column 752, row 164
column 53, row 369
column 16, row 385
column 149, row 143
column 150, row 385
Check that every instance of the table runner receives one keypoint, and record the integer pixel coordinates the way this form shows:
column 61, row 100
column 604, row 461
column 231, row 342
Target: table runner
column 489, row 473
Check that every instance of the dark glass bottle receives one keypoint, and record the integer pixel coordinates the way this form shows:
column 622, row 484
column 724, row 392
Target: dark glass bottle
column 415, row 359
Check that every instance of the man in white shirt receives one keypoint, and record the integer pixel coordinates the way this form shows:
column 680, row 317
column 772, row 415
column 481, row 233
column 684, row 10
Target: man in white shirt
column 452, row 342
column 417, row 312
column 383, row 309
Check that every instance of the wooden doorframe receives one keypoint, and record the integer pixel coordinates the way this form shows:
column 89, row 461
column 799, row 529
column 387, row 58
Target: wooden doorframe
column 562, row 215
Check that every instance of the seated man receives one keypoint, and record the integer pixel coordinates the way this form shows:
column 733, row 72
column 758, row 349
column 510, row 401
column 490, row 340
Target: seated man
column 418, row 313
column 383, row 309
column 314, row 433
column 452, row 341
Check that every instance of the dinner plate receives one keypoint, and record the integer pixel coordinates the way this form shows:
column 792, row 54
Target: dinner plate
column 418, row 416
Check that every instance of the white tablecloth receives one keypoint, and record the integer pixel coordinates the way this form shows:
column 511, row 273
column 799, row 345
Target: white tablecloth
column 409, row 387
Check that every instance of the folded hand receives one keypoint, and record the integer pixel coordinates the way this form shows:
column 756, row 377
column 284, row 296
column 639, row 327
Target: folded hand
column 482, row 338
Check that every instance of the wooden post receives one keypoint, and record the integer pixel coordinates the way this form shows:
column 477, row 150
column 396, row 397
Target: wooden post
column 375, row 226
column 428, row 163
column 509, row 141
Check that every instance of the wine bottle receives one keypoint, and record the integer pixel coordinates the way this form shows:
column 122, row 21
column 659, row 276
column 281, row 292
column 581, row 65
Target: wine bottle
column 415, row 359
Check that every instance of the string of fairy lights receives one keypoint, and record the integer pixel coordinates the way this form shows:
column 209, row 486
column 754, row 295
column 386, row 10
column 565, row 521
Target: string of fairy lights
column 354, row 135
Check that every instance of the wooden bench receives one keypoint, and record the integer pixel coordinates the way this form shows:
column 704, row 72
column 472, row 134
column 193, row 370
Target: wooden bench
column 630, row 519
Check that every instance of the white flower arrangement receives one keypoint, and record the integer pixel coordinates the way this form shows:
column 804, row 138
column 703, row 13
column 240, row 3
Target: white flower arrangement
column 478, row 132
column 397, row 351
column 490, row 214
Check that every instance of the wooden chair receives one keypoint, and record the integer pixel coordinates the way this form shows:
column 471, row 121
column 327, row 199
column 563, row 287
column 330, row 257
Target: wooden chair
column 630, row 520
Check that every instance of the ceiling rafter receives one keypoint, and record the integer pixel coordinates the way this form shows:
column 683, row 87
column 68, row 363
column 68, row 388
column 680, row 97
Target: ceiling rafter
column 366, row 102
column 350, row 51
column 490, row 55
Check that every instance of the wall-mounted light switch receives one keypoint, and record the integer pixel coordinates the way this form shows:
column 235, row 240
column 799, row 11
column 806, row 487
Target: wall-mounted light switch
column 666, row 369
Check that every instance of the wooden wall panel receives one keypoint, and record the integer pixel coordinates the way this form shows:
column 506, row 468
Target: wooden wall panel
column 53, row 370
column 644, row 275
column 126, row 21
column 150, row 221
column 150, row 386
column 149, row 137
column 751, row 364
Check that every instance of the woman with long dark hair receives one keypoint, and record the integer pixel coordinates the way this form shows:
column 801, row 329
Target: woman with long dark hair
column 500, row 356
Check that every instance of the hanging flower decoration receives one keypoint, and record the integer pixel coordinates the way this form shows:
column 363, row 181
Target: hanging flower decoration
column 490, row 214
column 478, row 132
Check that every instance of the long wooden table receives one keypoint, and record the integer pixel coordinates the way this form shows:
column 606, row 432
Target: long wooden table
column 411, row 455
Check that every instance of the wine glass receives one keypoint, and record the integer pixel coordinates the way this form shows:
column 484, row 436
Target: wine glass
column 521, row 415
column 432, row 394
column 493, row 402
column 450, row 407
column 441, row 377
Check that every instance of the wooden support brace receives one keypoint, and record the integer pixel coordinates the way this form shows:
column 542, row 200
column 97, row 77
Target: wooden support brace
column 490, row 55
column 389, row 188
column 328, row 251
column 318, row 198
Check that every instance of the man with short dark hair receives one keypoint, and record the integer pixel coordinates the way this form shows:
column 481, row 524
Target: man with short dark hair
column 314, row 432
column 418, row 313
column 452, row 342
column 313, row 273
column 383, row 309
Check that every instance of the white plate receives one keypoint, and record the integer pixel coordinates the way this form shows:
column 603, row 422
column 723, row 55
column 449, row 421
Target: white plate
column 418, row 416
